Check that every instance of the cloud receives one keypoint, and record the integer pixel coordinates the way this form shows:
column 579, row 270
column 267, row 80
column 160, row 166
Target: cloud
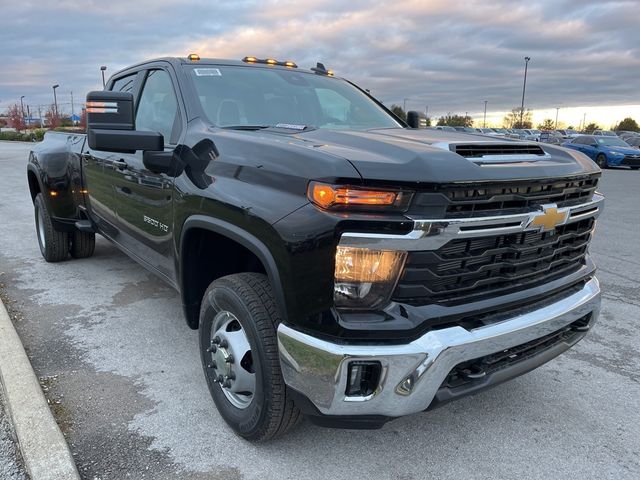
column 449, row 55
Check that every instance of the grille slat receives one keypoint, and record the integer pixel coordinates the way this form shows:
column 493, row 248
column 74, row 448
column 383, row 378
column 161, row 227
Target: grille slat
column 481, row 200
column 489, row 266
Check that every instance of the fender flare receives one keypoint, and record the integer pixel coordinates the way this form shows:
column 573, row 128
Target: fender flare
column 31, row 168
column 244, row 238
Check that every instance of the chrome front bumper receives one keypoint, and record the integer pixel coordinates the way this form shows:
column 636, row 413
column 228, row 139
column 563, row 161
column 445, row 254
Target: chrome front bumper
column 412, row 373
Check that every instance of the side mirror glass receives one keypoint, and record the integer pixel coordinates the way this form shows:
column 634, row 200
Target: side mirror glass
column 416, row 119
column 111, row 124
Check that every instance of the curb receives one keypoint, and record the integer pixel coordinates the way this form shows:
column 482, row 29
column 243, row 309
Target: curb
column 44, row 449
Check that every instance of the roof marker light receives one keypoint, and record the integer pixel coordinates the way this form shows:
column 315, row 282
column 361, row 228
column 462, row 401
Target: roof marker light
column 270, row 61
column 194, row 57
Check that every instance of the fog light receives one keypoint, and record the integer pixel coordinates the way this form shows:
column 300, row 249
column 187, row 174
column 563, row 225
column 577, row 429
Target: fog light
column 365, row 278
column 363, row 378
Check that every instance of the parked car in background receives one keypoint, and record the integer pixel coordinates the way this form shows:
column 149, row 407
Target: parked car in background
column 502, row 132
column 531, row 134
column 604, row 133
column 487, row 131
column 627, row 135
column 466, row 129
column 446, row 128
column 607, row 151
column 634, row 141
column 553, row 138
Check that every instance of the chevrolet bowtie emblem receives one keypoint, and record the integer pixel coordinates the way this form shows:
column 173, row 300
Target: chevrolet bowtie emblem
column 548, row 219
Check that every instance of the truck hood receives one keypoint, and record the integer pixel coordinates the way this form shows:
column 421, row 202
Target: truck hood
column 426, row 156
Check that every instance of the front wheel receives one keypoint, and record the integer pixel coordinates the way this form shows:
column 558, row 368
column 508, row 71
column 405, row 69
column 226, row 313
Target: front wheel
column 54, row 245
column 601, row 160
column 239, row 353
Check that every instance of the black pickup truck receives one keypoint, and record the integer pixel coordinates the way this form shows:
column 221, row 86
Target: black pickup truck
column 337, row 262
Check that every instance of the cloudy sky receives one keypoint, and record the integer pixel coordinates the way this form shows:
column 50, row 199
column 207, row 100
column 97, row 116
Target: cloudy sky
column 448, row 55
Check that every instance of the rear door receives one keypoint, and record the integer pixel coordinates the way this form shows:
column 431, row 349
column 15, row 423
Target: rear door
column 144, row 200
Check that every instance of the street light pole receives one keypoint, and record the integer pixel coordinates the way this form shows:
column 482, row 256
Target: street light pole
column 55, row 99
column 102, row 69
column 524, row 86
column 72, row 121
column 557, row 108
column 22, row 107
column 404, row 105
column 484, row 121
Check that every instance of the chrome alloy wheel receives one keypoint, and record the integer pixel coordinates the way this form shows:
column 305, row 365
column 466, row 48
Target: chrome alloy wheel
column 231, row 360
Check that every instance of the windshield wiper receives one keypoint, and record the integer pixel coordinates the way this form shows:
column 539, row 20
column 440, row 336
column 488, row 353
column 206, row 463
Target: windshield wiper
column 246, row 127
column 279, row 126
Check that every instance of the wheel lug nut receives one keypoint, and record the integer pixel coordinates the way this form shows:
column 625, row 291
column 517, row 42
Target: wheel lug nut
column 223, row 343
column 216, row 340
column 220, row 379
column 229, row 359
column 231, row 376
column 212, row 349
column 226, row 384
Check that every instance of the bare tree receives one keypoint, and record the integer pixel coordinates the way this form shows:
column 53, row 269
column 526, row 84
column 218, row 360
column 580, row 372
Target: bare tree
column 16, row 119
column 53, row 121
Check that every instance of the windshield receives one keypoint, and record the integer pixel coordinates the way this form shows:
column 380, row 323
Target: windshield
column 612, row 142
column 237, row 96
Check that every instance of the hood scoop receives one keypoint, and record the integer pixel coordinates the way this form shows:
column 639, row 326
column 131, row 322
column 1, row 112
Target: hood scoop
column 495, row 152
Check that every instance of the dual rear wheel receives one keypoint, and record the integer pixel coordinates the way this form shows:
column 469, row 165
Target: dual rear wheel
column 55, row 246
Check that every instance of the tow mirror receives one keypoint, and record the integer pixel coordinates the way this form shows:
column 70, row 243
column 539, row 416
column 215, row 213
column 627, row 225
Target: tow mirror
column 416, row 119
column 111, row 124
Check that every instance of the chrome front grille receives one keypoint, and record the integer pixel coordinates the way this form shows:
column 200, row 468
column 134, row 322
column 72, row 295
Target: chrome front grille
column 478, row 267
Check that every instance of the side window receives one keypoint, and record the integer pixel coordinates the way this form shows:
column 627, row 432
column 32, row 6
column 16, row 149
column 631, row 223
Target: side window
column 157, row 107
column 124, row 84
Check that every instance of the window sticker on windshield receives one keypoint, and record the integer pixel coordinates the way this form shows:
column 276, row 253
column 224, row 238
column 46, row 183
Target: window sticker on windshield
column 207, row 72
column 290, row 126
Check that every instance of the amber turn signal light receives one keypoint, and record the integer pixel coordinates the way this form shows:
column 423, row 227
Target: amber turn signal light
column 333, row 196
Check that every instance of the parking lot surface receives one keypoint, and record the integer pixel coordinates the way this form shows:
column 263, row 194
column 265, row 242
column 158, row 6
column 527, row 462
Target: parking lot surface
column 122, row 372
column 11, row 467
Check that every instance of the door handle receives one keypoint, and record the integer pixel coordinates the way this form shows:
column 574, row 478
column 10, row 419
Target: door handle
column 120, row 164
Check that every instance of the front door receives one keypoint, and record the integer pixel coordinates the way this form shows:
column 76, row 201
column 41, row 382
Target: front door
column 144, row 200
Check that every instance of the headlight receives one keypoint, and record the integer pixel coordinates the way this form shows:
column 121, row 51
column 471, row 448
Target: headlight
column 365, row 278
column 616, row 153
column 340, row 197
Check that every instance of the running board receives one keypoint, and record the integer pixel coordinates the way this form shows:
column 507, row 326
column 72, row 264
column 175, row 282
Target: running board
column 85, row 226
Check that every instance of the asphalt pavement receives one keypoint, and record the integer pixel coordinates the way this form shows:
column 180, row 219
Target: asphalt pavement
column 122, row 374
column 11, row 466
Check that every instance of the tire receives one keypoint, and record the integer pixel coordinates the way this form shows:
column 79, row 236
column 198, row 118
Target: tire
column 54, row 245
column 232, row 307
column 601, row 160
column 83, row 244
